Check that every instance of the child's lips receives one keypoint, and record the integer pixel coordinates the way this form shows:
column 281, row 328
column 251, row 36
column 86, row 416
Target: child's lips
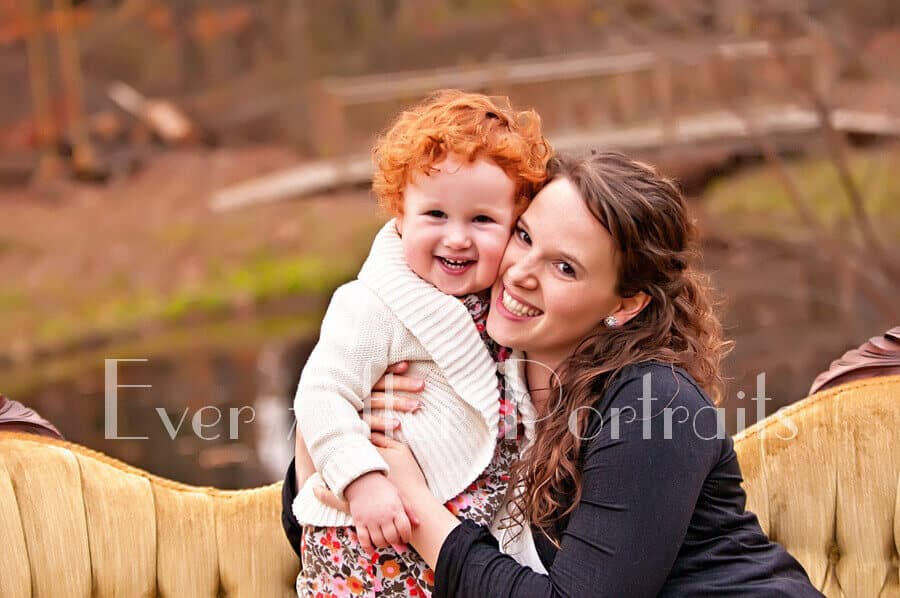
column 454, row 266
column 457, row 258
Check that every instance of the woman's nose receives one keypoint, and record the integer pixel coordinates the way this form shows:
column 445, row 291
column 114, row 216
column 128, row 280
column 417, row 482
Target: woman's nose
column 521, row 273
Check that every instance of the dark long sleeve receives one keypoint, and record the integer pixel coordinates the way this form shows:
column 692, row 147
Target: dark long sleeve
column 637, row 501
column 661, row 512
column 292, row 529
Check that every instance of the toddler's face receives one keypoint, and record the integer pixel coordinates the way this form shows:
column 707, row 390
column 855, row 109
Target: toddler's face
column 456, row 223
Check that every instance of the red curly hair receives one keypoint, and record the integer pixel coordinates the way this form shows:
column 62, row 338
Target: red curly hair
column 471, row 125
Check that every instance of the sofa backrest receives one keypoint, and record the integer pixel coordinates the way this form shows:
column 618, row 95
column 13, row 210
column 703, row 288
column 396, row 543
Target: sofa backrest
column 823, row 476
column 75, row 522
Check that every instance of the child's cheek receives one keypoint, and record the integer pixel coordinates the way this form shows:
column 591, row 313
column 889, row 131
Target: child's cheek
column 494, row 250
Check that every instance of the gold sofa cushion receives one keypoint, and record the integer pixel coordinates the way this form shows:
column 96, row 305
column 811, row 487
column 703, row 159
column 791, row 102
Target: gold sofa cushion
column 823, row 475
column 75, row 522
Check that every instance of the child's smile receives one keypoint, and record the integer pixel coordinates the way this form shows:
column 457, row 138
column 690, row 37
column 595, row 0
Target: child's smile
column 455, row 266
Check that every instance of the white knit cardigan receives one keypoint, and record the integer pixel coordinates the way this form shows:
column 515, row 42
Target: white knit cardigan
column 387, row 315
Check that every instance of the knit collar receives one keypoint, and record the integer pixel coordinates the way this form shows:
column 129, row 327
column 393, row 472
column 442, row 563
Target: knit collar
column 439, row 321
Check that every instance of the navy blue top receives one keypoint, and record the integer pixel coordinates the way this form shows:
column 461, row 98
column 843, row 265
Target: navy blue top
column 661, row 512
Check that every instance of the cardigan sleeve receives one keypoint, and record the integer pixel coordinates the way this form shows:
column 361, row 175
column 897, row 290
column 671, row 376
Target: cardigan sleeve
column 352, row 353
column 638, row 497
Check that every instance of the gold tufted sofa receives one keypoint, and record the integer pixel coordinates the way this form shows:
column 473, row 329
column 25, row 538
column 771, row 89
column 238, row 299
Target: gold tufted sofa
column 830, row 493
column 77, row 523
column 823, row 475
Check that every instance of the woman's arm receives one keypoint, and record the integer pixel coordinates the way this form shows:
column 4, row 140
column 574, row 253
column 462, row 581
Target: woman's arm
column 303, row 465
column 432, row 522
column 637, row 501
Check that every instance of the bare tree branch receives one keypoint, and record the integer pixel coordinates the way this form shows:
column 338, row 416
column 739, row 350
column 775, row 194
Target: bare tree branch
column 871, row 284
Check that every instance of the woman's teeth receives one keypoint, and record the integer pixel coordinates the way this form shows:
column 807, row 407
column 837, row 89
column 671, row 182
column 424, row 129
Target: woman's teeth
column 517, row 308
column 455, row 264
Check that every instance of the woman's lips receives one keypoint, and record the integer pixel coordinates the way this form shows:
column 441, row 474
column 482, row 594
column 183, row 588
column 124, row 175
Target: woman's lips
column 454, row 267
column 514, row 309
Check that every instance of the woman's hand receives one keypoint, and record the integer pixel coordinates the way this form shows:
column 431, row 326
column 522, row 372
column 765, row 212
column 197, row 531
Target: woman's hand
column 405, row 472
column 382, row 399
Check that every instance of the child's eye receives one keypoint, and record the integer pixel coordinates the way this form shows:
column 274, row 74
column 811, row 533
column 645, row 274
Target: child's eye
column 565, row 269
column 482, row 219
column 523, row 236
column 435, row 213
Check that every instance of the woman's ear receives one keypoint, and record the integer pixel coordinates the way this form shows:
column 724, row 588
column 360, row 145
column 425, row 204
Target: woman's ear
column 629, row 307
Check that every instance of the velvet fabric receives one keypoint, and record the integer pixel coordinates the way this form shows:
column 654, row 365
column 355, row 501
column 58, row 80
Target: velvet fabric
column 75, row 522
column 830, row 494
column 822, row 475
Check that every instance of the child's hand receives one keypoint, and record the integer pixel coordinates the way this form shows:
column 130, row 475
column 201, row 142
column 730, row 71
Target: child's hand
column 378, row 512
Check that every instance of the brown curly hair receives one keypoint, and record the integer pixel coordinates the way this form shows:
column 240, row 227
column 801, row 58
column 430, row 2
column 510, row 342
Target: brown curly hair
column 471, row 125
column 647, row 217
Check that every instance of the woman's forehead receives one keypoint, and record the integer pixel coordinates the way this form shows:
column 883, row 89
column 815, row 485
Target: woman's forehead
column 559, row 219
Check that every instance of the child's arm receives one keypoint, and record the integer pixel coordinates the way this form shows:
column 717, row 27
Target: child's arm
column 378, row 512
column 350, row 356
column 303, row 465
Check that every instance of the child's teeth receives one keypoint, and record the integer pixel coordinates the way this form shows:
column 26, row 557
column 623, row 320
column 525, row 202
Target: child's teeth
column 454, row 263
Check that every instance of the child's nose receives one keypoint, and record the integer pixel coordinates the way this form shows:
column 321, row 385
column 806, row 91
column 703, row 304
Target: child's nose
column 457, row 238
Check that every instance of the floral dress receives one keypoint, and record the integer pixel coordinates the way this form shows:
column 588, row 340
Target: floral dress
column 334, row 563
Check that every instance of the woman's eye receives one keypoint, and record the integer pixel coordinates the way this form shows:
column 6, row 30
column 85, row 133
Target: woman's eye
column 523, row 236
column 565, row 269
column 482, row 219
column 435, row 213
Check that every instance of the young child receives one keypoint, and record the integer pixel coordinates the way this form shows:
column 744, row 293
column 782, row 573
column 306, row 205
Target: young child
column 455, row 171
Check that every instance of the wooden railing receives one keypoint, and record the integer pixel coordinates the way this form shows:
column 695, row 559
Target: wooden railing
column 577, row 92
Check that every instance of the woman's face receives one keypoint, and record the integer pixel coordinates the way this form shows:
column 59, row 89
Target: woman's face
column 557, row 279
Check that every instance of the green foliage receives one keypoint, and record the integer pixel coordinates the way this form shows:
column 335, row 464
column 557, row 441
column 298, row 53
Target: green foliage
column 268, row 277
column 11, row 300
column 261, row 279
column 757, row 202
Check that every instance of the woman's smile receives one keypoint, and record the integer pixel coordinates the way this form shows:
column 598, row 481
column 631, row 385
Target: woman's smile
column 557, row 279
column 515, row 308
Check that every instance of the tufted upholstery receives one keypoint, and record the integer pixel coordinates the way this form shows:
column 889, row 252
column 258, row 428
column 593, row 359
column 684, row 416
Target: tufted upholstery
column 830, row 493
column 823, row 475
column 74, row 522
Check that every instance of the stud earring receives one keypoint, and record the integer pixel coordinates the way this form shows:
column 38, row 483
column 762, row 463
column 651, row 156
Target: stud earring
column 611, row 322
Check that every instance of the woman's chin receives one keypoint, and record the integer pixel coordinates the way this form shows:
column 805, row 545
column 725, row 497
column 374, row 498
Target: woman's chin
column 504, row 332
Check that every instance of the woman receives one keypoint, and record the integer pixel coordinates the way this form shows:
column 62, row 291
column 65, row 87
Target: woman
column 630, row 487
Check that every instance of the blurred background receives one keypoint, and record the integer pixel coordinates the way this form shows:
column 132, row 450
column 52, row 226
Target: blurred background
column 186, row 181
